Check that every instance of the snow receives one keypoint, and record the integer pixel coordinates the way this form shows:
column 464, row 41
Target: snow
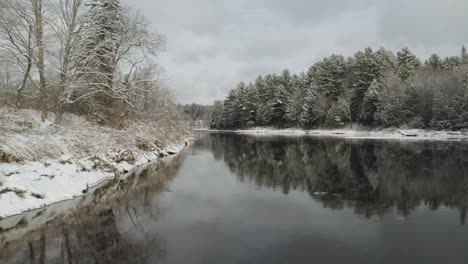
column 53, row 164
column 57, row 182
column 393, row 134
column 54, row 183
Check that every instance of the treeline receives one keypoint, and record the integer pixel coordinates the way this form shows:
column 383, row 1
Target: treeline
column 371, row 89
column 196, row 112
column 89, row 57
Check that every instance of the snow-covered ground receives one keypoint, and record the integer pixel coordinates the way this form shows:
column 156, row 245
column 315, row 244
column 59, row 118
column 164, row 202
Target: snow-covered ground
column 41, row 164
column 395, row 134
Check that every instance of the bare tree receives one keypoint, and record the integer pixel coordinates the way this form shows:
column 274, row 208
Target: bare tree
column 16, row 30
column 38, row 11
column 66, row 30
column 109, row 63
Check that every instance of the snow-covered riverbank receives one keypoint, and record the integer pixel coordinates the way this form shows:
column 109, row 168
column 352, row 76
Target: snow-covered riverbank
column 393, row 134
column 41, row 164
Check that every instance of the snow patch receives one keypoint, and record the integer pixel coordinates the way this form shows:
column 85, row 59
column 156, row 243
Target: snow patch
column 395, row 134
column 41, row 164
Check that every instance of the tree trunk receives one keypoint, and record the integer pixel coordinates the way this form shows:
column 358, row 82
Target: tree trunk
column 19, row 93
column 66, row 61
column 38, row 14
column 60, row 99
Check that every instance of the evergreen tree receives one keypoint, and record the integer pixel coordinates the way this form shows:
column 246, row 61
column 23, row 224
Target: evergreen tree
column 310, row 114
column 217, row 115
column 463, row 55
column 369, row 105
column 450, row 63
column 366, row 68
column 386, row 60
column 330, row 76
column 297, row 99
column 407, row 64
column 231, row 111
column 278, row 106
column 434, row 62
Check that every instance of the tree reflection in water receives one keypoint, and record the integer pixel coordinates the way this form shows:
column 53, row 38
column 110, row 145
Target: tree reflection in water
column 107, row 229
column 116, row 223
column 372, row 177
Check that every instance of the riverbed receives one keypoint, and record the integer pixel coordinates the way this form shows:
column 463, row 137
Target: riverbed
column 234, row 198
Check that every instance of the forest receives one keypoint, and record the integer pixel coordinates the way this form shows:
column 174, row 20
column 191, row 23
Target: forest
column 372, row 89
column 94, row 58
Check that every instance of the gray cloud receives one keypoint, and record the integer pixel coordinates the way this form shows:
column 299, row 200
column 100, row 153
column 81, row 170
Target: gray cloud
column 214, row 44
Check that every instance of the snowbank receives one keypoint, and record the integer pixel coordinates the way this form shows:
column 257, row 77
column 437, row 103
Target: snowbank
column 41, row 164
column 395, row 134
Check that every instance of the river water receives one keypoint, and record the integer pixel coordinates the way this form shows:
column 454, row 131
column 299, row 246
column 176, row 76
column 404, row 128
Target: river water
column 245, row 199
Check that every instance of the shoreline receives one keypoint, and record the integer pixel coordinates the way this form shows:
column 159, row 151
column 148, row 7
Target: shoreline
column 385, row 134
column 16, row 201
column 102, row 195
column 42, row 164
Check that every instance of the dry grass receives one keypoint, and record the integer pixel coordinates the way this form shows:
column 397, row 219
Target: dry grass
column 23, row 137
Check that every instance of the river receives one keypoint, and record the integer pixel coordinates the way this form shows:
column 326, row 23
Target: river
column 244, row 199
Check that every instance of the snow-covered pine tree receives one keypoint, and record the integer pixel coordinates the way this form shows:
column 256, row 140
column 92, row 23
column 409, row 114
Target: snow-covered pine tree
column 264, row 94
column 243, row 105
column 434, row 62
column 369, row 104
column 366, row 68
column 251, row 103
column 230, row 111
column 330, row 76
column 407, row 64
column 464, row 55
column 297, row 99
column 278, row 106
column 452, row 62
column 310, row 114
column 386, row 60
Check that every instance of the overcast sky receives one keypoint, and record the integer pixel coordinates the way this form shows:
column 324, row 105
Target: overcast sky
column 214, row 44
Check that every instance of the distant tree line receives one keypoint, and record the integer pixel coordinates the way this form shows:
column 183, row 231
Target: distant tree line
column 371, row 89
column 89, row 57
column 196, row 112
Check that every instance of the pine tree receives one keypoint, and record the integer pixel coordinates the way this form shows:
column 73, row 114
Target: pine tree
column 217, row 115
column 464, row 55
column 264, row 93
column 369, row 104
column 310, row 114
column 297, row 99
column 330, row 76
column 231, row 111
column 434, row 62
column 407, row 64
column 278, row 106
column 450, row 63
column 251, row 103
column 366, row 68
column 386, row 60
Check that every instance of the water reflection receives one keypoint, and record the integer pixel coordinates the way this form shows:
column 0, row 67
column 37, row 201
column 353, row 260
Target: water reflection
column 372, row 177
column 106, row 227
column 242, row 199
